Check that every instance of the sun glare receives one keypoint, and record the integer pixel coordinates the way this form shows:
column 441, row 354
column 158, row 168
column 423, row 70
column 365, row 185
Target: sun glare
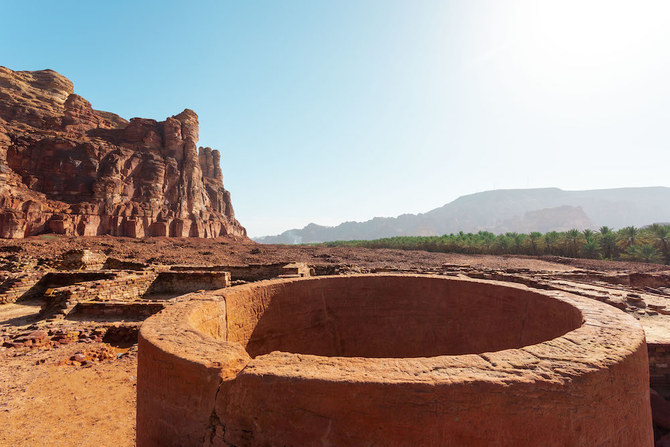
column 587, row 44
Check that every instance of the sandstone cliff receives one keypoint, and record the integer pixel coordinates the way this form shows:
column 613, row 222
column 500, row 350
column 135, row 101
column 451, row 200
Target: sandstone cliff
column 68, row 169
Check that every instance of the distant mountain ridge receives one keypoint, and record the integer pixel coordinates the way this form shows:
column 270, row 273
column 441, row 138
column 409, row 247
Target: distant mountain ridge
column 504, row 210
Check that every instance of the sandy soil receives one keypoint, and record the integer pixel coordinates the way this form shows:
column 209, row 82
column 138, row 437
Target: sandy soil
column 44, row 401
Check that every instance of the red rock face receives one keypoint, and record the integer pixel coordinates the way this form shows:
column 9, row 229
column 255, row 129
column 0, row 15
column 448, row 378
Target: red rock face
column 68, row 169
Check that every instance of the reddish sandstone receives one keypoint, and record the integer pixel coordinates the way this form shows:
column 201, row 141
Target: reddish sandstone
column 69, row 169
column 392, row 360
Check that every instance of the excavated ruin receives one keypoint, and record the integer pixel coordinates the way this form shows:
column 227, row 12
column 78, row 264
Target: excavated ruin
column 392, row 360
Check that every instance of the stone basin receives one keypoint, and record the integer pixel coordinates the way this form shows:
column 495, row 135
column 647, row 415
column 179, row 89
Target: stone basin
column 392, row 360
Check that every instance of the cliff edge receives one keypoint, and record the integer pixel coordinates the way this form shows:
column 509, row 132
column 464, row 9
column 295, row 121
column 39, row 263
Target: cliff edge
column 66, row 168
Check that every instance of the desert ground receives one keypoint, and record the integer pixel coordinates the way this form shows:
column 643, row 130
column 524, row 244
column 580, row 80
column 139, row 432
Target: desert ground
column 63, row 383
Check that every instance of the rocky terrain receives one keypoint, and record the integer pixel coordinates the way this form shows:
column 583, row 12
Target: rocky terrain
column 70, row 380
column 66, row 168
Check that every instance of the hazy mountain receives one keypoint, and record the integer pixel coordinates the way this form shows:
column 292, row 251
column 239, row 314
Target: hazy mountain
column 500, row 211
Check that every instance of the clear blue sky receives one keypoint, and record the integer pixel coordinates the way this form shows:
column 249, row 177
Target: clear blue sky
column 345, row 110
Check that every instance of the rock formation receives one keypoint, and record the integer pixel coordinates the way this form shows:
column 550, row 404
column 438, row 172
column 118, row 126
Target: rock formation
column 68, row 169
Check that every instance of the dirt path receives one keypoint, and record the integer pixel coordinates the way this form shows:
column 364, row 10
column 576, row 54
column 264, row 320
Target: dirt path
column 45, row 403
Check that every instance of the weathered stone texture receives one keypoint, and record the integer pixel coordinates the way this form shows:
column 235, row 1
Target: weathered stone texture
column 252, row 272
column 69, row 169
column 83, row 260
column 180, row 282
column 392, row 360
column 659, row 364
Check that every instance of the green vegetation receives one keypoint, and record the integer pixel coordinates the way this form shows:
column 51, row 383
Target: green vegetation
column 648, row 244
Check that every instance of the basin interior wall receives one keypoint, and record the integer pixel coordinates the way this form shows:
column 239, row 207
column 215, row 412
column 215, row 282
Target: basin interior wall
column 394, row 317
column 392, row 360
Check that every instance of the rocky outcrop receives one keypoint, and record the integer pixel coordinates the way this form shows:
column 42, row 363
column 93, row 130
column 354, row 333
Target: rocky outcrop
column 69, row 169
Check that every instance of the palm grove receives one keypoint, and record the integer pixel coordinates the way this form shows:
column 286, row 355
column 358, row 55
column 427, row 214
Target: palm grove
column 648, row 244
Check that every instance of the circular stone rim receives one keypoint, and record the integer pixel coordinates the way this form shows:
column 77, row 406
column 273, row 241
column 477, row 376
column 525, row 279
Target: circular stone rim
column 596, row 344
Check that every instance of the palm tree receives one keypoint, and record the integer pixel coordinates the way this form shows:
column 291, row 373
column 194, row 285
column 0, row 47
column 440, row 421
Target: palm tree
column 607, row 242
column 550, row 240
column 628, row 236
column 590, row 249
column 661, row 237
column 502, row 244
column 572, row 236
column 534, row 237
column 643, row 253
column 486, row 239
column 517, row 239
